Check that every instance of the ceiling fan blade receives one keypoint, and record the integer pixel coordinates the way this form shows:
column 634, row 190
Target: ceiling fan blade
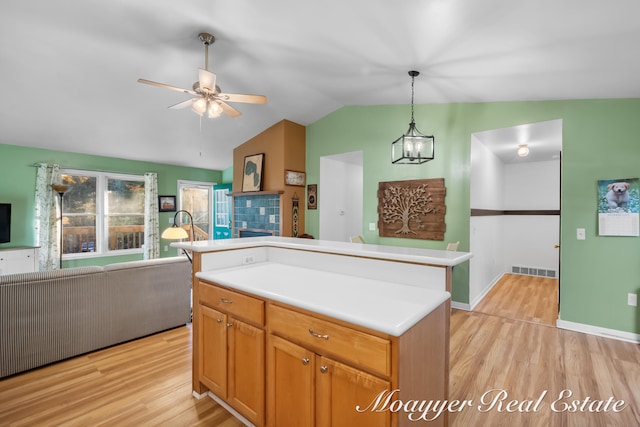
column 228, row 109
column 162, row 85
column 183, row 104
column 239, row 97
column 207, row 80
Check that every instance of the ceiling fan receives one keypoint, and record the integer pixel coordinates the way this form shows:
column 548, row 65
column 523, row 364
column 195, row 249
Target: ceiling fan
column 208, row 98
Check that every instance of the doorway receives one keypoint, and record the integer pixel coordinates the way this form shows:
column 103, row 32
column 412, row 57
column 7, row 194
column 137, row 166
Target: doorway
column 515, row 206
column 197, row 199
column 222, row 202
column 340, row 196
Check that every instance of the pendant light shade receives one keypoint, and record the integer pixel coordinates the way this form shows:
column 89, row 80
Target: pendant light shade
column 412, row 148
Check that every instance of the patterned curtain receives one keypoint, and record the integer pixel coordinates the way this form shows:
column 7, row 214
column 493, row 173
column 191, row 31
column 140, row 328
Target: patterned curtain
column 47, row 219
column 151, row 222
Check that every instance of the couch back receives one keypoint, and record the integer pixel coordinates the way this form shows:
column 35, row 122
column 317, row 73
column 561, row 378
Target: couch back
column 53, row 315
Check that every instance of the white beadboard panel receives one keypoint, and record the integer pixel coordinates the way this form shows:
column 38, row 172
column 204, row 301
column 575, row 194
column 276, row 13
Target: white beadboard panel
column 528, row 241
column 488, row 260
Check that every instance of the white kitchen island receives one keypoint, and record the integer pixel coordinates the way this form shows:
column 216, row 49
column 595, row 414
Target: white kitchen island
column 307, row 332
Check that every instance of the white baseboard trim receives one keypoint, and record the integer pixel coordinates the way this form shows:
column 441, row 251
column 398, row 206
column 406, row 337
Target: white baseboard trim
column 599, row 331
column 484, row 293
column 233, row 412
column 460, row 306
column 199, row 395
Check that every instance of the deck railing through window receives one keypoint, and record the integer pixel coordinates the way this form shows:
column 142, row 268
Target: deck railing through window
column 83, row 239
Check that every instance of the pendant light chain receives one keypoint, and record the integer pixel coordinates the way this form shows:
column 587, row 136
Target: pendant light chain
column 413, row 78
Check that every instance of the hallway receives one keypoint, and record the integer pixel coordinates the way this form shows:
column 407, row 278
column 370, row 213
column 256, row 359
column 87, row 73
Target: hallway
column 518, row 297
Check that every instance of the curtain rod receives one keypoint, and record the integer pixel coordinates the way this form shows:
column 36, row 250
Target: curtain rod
column 35, row 165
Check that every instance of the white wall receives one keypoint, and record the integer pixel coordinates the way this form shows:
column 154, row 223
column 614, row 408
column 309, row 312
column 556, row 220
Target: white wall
column 487, row 182
column 532, row 185
column 529, row 240
column 340, row 195
column 485, row 240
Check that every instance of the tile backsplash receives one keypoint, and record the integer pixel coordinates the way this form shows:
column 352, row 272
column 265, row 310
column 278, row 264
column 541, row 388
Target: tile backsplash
column 260, row 212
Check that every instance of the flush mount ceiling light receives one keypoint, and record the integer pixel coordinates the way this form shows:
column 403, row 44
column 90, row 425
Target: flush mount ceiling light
column 412, row 148
column 523, row 150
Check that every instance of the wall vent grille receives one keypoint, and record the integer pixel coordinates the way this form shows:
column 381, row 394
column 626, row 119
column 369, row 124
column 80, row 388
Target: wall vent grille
column 533, row 271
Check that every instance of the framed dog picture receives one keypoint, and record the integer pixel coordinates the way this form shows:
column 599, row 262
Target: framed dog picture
column 618, row 207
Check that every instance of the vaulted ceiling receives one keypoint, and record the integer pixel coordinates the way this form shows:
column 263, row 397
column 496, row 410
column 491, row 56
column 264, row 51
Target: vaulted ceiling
column 69, row 68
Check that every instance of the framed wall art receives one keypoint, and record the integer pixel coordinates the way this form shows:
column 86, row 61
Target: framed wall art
column 294, row 178
column 312, row 196
column 413, row 209
column 167, row 203
column 252, row 172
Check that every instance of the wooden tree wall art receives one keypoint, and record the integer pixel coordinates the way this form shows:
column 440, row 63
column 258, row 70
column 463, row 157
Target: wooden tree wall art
column 412, row 209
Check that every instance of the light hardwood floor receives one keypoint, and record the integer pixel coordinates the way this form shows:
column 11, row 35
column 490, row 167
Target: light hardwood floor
column 147, row 381
column 528, row 298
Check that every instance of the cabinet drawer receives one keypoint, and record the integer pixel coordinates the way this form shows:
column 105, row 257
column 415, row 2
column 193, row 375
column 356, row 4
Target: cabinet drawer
column 328, row 338
column 242, row 306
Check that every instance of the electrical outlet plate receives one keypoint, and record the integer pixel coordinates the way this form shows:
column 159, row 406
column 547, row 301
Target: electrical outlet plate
column 632, row 300
column 580, row 234
column 248, row 259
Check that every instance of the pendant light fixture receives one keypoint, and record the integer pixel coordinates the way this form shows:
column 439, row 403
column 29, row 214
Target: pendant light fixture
column 412, row 148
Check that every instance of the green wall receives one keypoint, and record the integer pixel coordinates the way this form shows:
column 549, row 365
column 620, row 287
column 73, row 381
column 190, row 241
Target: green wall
column 18, row 180
column 227, row 176
column 599, row 142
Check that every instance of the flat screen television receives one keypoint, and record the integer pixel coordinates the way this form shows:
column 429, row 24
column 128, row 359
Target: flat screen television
column 5, row 222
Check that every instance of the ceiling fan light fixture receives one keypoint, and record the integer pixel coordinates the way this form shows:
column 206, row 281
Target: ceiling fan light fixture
column 214, row 109
column 208, row 98
column 200, row 106
column 413, row 147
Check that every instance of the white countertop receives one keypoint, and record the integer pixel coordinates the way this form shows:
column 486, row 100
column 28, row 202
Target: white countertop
column 396, row 253
column 382, row 306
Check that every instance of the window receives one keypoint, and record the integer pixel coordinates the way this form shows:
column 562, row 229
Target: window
column 103, row 213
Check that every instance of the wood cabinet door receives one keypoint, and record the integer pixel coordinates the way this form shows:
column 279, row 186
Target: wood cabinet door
column 341, row 389
column 213, row 350
column 246, row 370
column 291, row 384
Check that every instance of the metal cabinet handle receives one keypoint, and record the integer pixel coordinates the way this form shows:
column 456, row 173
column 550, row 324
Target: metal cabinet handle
column 324, row 369
column 305, row 361
column 219, row 320
column 229, row 325
column 225, row 301
column 326, row 337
